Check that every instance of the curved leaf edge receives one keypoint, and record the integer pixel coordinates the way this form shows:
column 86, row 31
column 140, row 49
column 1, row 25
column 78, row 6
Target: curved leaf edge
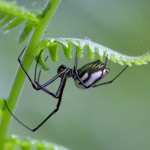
column 93, row 49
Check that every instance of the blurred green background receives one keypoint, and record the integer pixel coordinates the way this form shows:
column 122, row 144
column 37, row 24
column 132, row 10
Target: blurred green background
column 112, row 117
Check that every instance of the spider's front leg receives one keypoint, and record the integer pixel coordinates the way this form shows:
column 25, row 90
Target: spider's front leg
column 35, row 83
column 25, row 71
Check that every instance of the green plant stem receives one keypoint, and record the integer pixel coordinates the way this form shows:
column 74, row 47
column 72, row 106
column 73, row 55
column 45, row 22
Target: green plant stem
column 28, row 58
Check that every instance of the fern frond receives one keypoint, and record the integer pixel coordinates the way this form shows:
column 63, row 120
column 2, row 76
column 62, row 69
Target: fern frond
column 12, row 15
column 13, row 23
column 10, row 8
column 27, row 30
column 15, row 142
column 92, row 49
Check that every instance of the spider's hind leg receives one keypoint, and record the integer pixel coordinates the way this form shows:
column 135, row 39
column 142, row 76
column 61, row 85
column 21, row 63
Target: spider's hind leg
column 112, row 80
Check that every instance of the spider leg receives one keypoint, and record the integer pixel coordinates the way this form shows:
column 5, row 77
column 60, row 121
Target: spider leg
column 24, row 125
column 76, row 72
column 52, row 113
column 57, row 95
column 39, row 74
column 76, row 62
column 42, row 86
column 77, row 75
column 35, row 71
column 108, row 82
column 35, row 83
column 61, row 86
column 20, row 62
column 37, row 127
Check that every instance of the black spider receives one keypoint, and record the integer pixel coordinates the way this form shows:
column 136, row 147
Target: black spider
column 85, row 77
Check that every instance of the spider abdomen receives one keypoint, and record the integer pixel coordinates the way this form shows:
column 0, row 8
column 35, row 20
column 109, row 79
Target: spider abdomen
column 90, row 78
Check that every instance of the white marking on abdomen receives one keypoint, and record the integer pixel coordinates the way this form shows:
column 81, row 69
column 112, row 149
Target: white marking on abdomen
column 95, row 76
column 84, row 77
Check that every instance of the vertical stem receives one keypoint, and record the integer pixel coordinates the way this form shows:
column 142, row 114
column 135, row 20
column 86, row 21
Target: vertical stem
column 28, row 58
